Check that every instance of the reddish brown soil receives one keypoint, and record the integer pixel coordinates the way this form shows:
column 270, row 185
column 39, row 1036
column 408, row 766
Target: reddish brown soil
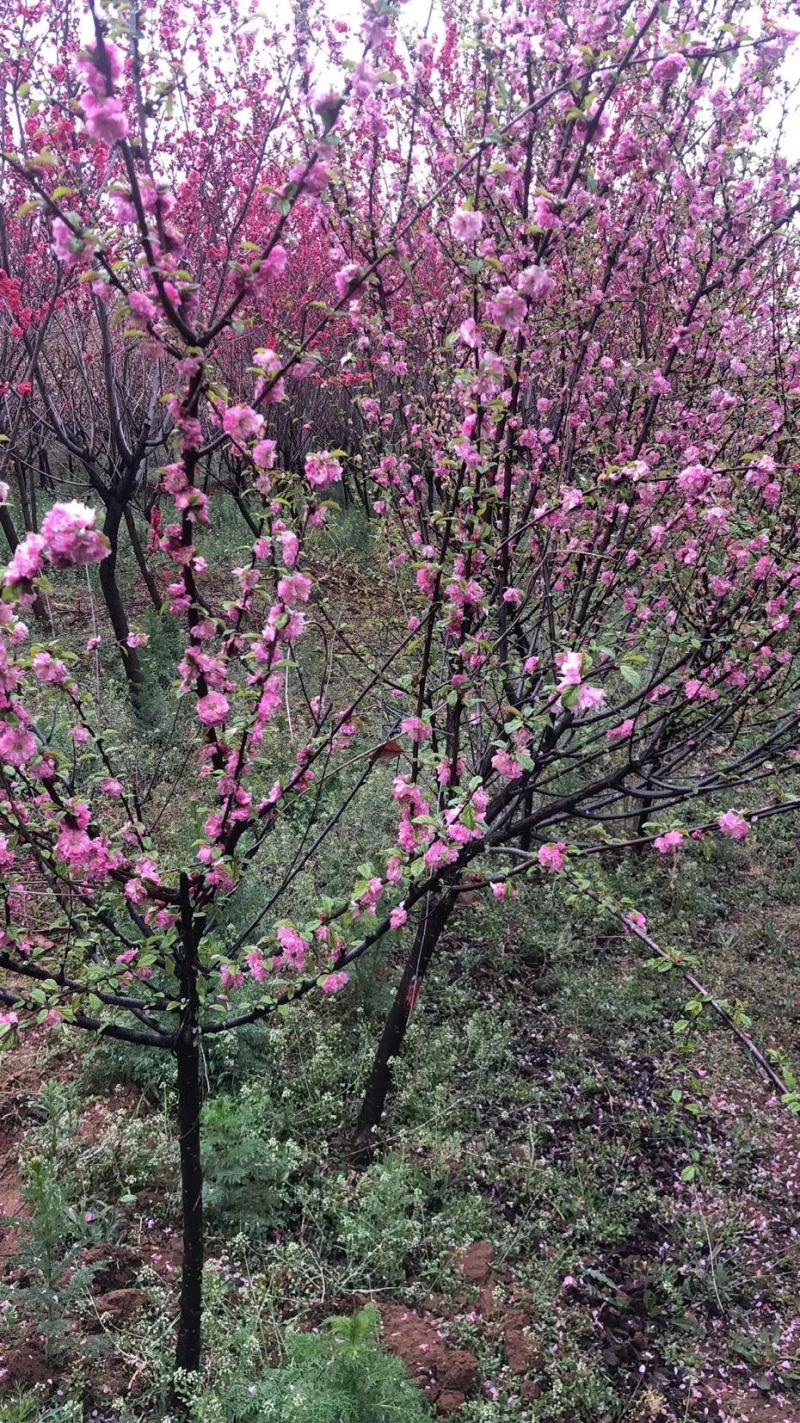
column 448, row 1375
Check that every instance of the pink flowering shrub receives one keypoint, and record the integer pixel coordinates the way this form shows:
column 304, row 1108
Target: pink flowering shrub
column 552, row 367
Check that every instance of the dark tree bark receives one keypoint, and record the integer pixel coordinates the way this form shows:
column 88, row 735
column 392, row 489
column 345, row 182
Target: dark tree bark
column 187, row 1352
column 45, row 476
column 187, row 1053
column 141, row 558
column 435, row 914
column 22, row 493
column 107, row 572
column 33, row 501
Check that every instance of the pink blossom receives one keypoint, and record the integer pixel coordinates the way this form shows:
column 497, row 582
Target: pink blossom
column 439, row 854
column 241, row 422
column 322, row 469
column 733, row 825
column 264, row 454
column 465, row 225
column 290, row 547
column 398, row 917
column 267, row 361
column 415, row 728
column 256, row 965
column 213, row 708
column 17, row 746
column 506, row 765
column 69, row 247
column 551, row 857
column 694, row 480
column 110, row 786
column 570, row 668
column 105, row 117
column 572, row 499
column 70, row 537
column 536, row 282
column 294, row 946
column 271, row 267
column 543, row 215
column 89, row 856
column 667, row 69
column 771, row 494
column 49, row 669
column 91, row 68
column 283, row 624
column 507, row 310
column 672, row 840
column 469, row 331
column 135, row 891
column 27, row 561
column 142, row 307
column 346, row 280
column 621, row 732
column 372, row 894
column 230, row 978
column 589, row 699
column 294, row 589
column 312, row 180
column 334, row 982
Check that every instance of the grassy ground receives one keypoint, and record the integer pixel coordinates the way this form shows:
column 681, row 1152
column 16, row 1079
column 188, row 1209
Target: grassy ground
column 632, row 1192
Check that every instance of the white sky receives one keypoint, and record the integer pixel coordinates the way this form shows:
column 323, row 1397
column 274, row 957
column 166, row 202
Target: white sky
column 416, row 14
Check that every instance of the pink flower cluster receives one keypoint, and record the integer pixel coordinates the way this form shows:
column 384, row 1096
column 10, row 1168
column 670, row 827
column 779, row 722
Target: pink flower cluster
column 68, row 540
column 465, row 225
column 322, row 469
column 104, row 113
column 733, row 825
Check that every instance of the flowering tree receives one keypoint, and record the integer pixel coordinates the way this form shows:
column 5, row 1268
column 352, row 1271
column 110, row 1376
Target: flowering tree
column 588, row 457
column 507, row 293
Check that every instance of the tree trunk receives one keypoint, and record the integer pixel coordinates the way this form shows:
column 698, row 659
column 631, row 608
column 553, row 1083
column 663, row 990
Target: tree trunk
column 187, row 1053
column 435, row 914
column 22, row 494
column 33, row 502
column 141, row 558
column 187, row 1351
column 107, row 572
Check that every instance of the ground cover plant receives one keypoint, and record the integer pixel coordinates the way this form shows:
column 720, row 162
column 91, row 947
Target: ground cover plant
column 399, row 477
